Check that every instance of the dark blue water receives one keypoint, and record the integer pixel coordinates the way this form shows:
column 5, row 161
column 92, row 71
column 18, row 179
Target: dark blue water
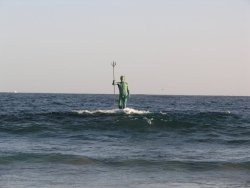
column 63, row 140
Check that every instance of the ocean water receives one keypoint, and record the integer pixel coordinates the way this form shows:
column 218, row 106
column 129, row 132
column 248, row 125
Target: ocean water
column 80, row 141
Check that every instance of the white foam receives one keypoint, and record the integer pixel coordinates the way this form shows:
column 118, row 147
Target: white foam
column 149, row 121
column 134, row 111
column 114, row 111
column 163, row 113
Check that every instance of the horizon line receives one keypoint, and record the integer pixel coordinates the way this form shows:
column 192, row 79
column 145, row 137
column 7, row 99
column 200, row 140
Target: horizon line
column 68, row 93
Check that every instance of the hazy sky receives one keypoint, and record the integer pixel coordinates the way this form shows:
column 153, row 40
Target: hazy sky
column 199, row 47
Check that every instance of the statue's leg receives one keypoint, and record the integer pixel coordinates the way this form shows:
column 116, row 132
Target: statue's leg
column 125, row 99
column 120, row 102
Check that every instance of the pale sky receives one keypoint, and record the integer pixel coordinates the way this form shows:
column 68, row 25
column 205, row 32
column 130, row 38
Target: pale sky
column 171, row 47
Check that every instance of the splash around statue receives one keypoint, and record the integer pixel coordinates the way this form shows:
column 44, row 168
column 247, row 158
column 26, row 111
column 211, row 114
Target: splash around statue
column 123, row 92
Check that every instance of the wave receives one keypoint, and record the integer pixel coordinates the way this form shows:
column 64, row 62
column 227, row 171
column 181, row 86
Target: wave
column 121, row 112
column 118, row 162
column 46, row 158
column 181, row 165
column 129, row 119
column 114, row 111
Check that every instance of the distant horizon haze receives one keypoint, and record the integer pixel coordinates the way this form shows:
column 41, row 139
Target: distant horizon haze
column 117, row 93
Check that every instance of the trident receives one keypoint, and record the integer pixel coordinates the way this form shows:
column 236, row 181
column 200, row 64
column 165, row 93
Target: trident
column 113, row 64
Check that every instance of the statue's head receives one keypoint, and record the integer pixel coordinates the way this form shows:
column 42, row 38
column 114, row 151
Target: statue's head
column 122, row 78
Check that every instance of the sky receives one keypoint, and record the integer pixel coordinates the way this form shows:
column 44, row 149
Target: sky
column 167, row 47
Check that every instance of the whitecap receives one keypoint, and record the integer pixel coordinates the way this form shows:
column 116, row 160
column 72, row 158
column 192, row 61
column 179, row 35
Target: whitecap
column 149, row 121
column 134, row 111
column 113, row 111
column 163, row 113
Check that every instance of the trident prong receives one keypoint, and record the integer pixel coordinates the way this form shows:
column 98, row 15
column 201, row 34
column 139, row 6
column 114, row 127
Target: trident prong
column 113, row 64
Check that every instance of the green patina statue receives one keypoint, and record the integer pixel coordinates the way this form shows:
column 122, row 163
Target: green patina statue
column 124, row 92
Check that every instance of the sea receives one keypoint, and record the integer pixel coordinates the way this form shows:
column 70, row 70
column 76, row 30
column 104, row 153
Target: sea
column 84, row 141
